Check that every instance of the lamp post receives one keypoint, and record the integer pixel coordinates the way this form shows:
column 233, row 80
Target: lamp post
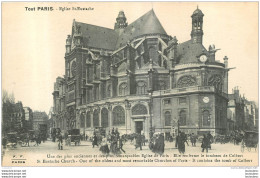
column 150, row 111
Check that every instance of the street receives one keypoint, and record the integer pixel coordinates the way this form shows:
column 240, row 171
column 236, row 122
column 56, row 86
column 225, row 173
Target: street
column 85, row 148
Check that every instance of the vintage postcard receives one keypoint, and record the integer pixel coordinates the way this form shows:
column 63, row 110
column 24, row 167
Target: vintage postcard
column 129, row 84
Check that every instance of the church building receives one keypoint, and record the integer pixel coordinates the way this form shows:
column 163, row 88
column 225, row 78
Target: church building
column 139, row 79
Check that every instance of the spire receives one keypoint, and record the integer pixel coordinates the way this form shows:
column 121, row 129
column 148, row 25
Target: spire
column 120, row 21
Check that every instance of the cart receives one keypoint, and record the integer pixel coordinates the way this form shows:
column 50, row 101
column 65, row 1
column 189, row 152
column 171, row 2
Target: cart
column 249, row 141
column 74, row 136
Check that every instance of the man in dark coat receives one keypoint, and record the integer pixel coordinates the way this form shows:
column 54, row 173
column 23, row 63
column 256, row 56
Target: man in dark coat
column 205, row 143
column 180, row 142
column 138, row 141
column 160, row 149
column 94, row 142
column 210, row 140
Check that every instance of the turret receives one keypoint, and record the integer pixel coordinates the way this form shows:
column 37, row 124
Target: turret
column 197, row 26
column 120, row 22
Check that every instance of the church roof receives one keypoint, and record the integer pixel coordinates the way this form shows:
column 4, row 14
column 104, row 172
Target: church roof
column 188, row 52
column 146, row 24
column 98, row 37
column 106, row 38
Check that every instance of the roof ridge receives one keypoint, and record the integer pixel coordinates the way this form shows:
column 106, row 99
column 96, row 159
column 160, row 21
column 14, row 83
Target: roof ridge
column 95, row 25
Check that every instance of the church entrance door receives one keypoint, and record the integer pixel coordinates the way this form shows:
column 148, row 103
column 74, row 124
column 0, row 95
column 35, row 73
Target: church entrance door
column 138, row 127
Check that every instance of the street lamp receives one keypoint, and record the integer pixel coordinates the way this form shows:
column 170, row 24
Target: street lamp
column 150, row 111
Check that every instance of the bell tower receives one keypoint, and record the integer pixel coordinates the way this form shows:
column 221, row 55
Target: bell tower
column 197, row 26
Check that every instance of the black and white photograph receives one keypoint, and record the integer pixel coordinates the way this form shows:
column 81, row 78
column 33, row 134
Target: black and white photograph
column 161, row 84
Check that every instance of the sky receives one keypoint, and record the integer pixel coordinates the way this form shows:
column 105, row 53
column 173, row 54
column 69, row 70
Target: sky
column 33, row 42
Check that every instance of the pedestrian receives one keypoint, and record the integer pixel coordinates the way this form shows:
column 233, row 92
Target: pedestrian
column 94, row 142
column 104, row 146
column 193, row 139
column 160, row 149
column 205, row 143
column 138, row 141
column 143, row 139
column 121, row 144
column 60, row 142
column 210, row 139
column 156, row 144
column 180, row 142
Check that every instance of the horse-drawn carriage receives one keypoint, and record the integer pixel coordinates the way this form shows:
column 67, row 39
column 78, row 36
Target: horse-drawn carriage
column 73, row 136
column 249, row 141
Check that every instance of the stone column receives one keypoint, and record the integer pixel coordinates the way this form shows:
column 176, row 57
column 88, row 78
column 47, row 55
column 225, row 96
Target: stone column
column 127, row 115
column 110, row 123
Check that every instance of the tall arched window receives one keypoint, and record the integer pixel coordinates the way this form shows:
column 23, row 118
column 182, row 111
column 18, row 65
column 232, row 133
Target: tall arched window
column 104, row 117
column 206, row 118
column 88, row 124
column 182, row 118
column 96, row 119
column 123, row 89
column 118, row 116
column 167, row 118
column 139, row 109
column 82, row 121
column 141, row 88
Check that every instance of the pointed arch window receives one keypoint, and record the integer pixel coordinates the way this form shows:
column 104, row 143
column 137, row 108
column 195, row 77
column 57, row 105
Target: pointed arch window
column 123, row 89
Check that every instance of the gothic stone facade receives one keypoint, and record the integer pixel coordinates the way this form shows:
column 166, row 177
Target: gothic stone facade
column 136, row 77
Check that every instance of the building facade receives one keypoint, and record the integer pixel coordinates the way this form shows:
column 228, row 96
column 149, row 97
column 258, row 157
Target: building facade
column 28, row 114
column 40, row 120
column 242, row 114
column 137, row 78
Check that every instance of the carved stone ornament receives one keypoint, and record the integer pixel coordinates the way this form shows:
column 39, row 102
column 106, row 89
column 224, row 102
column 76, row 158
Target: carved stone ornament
column 186, row 81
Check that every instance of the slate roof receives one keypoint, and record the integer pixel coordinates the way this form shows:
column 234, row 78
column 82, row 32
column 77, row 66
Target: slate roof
column 106, row 38
column 98, row 37
column 188, row 52
column 146, row 24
